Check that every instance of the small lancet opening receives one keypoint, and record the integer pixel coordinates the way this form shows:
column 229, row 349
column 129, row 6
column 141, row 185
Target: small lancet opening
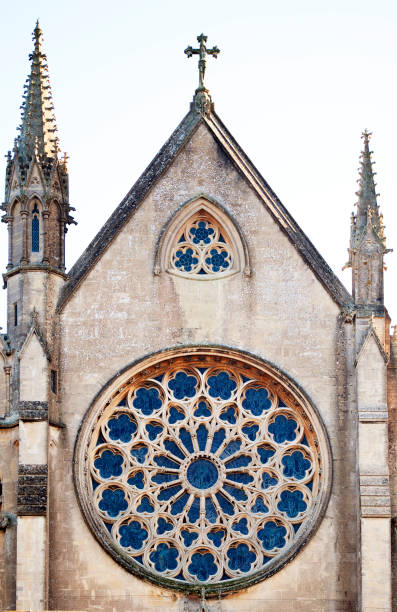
column 35, row 230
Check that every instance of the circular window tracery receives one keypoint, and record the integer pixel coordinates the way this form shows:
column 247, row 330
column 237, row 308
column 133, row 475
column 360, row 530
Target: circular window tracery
column 202, row 470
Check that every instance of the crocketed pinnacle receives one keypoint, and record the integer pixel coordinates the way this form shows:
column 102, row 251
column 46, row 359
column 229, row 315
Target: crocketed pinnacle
column 367, row 215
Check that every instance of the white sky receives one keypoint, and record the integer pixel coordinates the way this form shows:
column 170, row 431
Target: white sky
column 296, row 83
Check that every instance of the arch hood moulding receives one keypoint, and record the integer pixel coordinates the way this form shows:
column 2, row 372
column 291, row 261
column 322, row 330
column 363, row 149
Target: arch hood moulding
column 156, row 169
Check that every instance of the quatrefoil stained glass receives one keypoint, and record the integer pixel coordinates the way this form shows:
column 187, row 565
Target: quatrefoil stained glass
column 202, row 471
column 202, row 248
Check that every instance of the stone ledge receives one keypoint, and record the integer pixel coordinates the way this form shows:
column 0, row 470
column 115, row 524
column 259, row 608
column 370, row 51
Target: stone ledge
column 33, row 411
column 374, row 479
column 32, row 490
column 375, row 512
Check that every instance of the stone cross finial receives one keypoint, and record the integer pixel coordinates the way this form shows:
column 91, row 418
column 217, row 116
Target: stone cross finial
column 202, row 52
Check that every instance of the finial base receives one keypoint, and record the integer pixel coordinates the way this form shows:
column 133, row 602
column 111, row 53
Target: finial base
column 202, row 102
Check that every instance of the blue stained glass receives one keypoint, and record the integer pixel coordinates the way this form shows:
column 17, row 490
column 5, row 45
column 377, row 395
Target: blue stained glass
column 217, row 440
column 221, row 238
column 236, row 493
column 259, row 506
column 292, row 503
column 251, row 431
column 163, row 526
column 202, row 566
column 210, row 510
column 186, row 439
column 166, row 494
column 194, row 511
column 202, row 474
column 153, row 430
column 272, row 535
column 256, row 401
column 230, row 449
column 108, row 526
column 296, row 526
column 179, row 505
column 139, row 558
column 216, row 537
column 202, row 410
column 113, row 502
column 121, row 428
column 165, row 557
column 241, row 526
column 283, row 429
column 225, row 504
column 170, row 446
column 147, row 400
column 268, row 480
column 202, row 435
column 221, row 385
column 94, row 483
column 161, row 478
column 100, row 439
column 201, row 233
column 242, row 477
column 265, row 452
column 136, row 480
column 185, row 260
column 175, row 415
column 295, row 465
column 133, row 535
column 35, row 234
column 217, row 260
column 304, row 441
column 309, row 485
column 188, row 537
column 139, row 452
column 182, row 385
column 229, row 415
column 238, row 462
column 240, row 558
column 145, row 505
column 123, row 402
column 109, row 464
column 163, row 461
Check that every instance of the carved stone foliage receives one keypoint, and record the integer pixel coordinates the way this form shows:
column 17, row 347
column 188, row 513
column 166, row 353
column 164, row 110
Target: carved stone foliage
column 202, row 470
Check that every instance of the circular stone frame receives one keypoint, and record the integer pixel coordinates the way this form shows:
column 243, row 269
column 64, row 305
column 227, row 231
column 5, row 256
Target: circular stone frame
column 286, row 388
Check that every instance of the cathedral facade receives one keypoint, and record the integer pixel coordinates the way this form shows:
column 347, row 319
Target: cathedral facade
column 197, row 416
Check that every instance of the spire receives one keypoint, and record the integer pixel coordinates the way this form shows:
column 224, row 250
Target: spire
column 37, row 129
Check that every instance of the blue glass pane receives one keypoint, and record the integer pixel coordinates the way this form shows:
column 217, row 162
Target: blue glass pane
column 163, row 526
column 259, row 506
column 202, row 410
column 229, row 415
column 268, row 480
column 136, row 480
column 170, row 446
column 240, row 477
column 295, row 465
column 283, row 429
column 230, row 449
column 241, row 526
column 133, row 535
column 163, row 461
column 238, row 462
column 165, row 557
column 113, row 502
column 240, row 558
column 225, row 504
column 194, row 511
column 145, row 505
column 292, row 503
column 202, row 435
column 221, row 385
column 217, row 260
column 202, row 233
column 216, row 537
column 210, row 510
column 251, row 431
column 175, row 415
column 139, row 452
column 166, row 494
column 218, row 439
column 234, row 492
column 147, row 400
column 257, row 401
column 188, row 537
column 183, row 386
column 202, row 566
column 265, row 452
column 121, row 428
column 153, row 429
column 109, row 464
column 179, row 505
column 272, row 535
column 35, row 234
column 185, row 260
column 161, row 478
column 202, row 474
column 186, row 439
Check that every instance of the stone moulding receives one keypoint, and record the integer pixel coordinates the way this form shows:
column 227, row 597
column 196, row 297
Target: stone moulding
column 32, row 490
column 293, row 395
column 33, row 411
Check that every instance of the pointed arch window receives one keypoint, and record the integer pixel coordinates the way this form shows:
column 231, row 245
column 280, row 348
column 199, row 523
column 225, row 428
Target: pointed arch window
column 35, row 230
column 202, row 243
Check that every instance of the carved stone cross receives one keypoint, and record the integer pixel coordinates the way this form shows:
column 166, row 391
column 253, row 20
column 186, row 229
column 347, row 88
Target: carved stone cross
column 202, row 52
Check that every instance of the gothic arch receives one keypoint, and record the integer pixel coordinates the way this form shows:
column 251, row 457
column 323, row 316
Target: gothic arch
column 230, row 242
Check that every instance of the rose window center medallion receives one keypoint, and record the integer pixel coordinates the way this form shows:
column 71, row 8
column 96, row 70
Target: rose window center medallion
column 202, row 469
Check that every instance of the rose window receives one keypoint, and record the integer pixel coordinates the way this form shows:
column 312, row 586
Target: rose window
column 202, row 248
column 202, row 471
